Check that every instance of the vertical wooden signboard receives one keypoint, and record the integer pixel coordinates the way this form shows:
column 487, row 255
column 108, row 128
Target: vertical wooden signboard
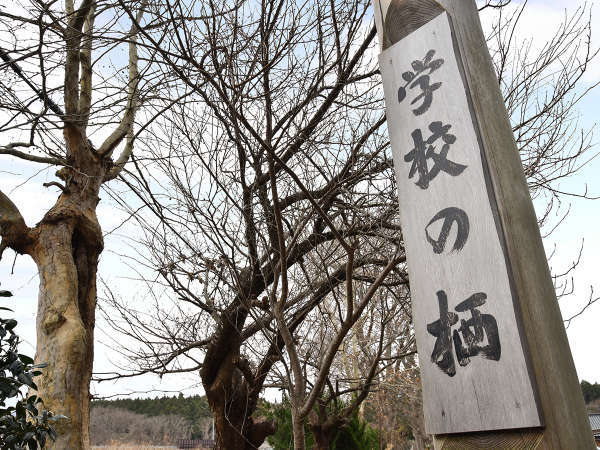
column 473, row 364
column 485, row 314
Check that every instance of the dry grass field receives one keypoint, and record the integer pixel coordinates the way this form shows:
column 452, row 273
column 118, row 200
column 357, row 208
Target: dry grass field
column 120, row 446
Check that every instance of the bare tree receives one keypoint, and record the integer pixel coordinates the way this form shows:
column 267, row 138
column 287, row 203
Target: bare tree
column 269, row 195
column 382, row 338
column 397, row 406
column 272, row 175
column 50, row 51
column 542, row 84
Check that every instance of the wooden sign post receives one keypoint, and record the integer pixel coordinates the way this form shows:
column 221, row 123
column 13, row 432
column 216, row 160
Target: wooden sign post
column 496, row 366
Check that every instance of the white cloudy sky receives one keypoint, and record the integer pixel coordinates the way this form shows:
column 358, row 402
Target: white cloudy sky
column 540, row 20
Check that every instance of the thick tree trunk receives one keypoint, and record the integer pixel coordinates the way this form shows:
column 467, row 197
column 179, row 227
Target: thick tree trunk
column 67, row 243
column 233, row 408
column 65, row 328
column 66, row 250
column 235, row 428
column 67, row 261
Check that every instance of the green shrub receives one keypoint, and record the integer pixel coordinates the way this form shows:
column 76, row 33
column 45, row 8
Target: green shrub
column 24, row 425
column 357, row 435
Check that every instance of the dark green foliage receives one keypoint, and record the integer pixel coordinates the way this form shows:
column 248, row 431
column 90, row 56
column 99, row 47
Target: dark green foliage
column 193, row 408
column 590, row 391
column 357, row 435
column 283, row 438
column 25, row 425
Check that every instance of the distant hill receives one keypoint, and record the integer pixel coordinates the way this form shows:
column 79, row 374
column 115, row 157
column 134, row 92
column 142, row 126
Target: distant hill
column 194, row 409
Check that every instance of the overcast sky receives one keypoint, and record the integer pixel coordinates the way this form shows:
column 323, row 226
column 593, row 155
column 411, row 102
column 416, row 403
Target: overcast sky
column 540, row 22
column 541, row 18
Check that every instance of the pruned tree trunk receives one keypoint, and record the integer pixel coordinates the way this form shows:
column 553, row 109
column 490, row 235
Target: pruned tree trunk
column 65, row 329
column 66, row 251
column 226, row 399
column 65, row 246
column 231, row 406
column 232, row 392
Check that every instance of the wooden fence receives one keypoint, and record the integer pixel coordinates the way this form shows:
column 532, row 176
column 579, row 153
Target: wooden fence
column 196, row 443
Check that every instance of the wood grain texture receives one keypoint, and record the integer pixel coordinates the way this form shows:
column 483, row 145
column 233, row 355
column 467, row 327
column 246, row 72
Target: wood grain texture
column 396, row 19
column 567, row 424
column 402, row 17
column 509, row 440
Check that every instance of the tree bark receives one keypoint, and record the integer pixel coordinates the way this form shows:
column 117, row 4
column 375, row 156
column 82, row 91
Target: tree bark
column 298, row 429
column 233, row 407
column 65, row 329
column 235, row 428
column 68, row 243
column 324, row 426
